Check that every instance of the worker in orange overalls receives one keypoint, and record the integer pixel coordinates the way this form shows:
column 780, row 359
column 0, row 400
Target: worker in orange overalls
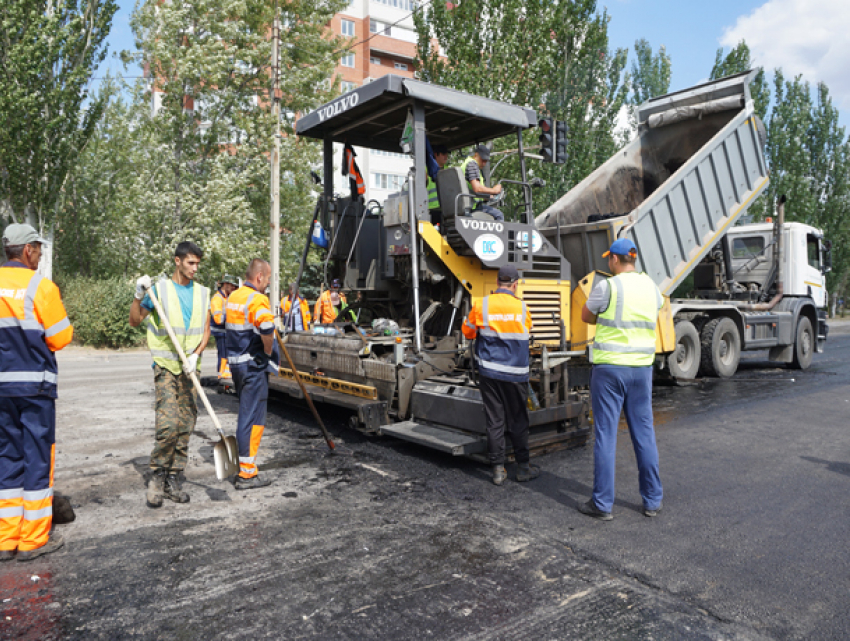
column 252, row 353
column 226, row 287
column 299, row 321
column 329, row 304
column 33, row 326
column 502, row 324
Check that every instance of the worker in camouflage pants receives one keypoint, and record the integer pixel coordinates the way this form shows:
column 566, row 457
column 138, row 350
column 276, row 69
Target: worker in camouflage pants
column 176, row 411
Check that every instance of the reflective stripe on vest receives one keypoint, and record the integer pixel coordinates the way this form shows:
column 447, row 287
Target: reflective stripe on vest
column 433, row 198
column 160, row 345
column 463, row 167
column 625, row 331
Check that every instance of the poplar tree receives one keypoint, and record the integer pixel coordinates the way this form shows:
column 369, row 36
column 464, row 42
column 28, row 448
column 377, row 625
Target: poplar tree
column 49, row 50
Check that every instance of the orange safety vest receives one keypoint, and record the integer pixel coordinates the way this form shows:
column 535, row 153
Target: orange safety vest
column 350, row 169
column 304, row 307
column 217, row 313
column 324, row 311
column 502, row 324
column 33, row 325
column 249, row 315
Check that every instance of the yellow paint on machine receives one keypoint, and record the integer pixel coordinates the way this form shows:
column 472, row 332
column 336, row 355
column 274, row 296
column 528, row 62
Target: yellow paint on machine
column 333, row 384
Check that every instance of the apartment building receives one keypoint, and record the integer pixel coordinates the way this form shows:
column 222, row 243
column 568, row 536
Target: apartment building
column 385, row 42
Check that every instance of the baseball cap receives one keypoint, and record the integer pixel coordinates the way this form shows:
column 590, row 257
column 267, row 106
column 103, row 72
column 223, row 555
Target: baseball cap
column 440, row 149
column 508, row 274
column 231, row 280
column 335, row 283
column 621, row 247
column 21, row 234
column 482, row 151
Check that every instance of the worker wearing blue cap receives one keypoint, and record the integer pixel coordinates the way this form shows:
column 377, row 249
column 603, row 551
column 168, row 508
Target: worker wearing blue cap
column 624, row 309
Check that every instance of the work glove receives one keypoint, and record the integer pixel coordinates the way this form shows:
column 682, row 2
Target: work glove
column 142, row 285
column 262, row 360
column 191, row 363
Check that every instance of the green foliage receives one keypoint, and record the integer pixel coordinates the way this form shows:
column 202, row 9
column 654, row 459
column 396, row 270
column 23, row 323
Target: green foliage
column 738, row 60
column 550, row 56
column 50, row 50
column 99, row 311
column 650, row 75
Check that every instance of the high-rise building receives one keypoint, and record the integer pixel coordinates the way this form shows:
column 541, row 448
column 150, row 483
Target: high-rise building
column 384, row 41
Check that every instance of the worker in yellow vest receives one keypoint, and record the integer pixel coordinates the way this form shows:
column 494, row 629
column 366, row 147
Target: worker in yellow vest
column 624, row 309
column 186, row 304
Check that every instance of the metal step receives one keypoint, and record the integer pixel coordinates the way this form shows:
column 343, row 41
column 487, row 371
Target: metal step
column 438, row 438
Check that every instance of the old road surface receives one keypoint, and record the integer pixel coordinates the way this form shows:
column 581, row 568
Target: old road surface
column 386, row 540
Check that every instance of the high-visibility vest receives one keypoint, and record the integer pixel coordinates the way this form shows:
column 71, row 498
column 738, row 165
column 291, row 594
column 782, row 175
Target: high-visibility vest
column 324, row 311
column 33, row 325
column 249, row 316
column 625, row 331
column 159, row 343
column 217, row 313
column 433, row 198
column 304, row 308
column 463, row 167
column 502, row 325
column 352, row 170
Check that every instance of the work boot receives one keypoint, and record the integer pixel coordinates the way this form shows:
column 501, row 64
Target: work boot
column 7, row 555
column 173, row 489
column 252, row 483
column 155, row 488
column 590, row 509
column 527, row 472
column 499, row 474
column 53, row 543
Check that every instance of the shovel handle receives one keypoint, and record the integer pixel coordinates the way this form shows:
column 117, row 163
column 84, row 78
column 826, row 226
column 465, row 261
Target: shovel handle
column 304, row 390
column 184, row 360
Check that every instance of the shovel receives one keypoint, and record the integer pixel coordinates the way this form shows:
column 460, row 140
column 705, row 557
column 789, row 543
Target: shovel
column 225, row 450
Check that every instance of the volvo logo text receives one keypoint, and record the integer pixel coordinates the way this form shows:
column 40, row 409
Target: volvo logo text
column 336, row 108
column 482, row 225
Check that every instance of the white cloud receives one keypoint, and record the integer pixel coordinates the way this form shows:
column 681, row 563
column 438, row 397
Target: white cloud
column 802, row 37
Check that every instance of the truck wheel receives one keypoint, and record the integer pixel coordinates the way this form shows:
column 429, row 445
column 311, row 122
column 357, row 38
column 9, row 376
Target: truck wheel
column 685, row 360
column 804, row 344
column 721, row 347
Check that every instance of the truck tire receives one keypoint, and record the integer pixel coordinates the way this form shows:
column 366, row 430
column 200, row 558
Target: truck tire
column 804, row 344
column 721, row 347
column 684, row 362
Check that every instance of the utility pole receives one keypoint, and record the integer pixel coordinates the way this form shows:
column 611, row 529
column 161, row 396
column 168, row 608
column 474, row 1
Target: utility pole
column 275, row 213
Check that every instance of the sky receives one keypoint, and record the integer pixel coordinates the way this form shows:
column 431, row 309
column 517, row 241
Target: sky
column 808, row 37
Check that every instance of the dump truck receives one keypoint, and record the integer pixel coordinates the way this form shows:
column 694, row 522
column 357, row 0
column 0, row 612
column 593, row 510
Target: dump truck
column 677, row 191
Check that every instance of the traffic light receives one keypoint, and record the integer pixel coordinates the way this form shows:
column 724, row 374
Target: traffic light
column 547, row 139
column 561, row 130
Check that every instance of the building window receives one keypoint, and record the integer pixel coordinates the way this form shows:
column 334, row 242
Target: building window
column 387, row 181
column 407, row 5
column 347, row 86
column 347, row 60
column 348, row 28
column 389, row 154
column 401, row 65
column 380, row 27
column 374, row 60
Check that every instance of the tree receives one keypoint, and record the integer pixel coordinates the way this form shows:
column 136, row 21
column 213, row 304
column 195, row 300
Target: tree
column 738, row 60
column 204, row 171
column 50, row 50
column 650, row 75
column 550, row 56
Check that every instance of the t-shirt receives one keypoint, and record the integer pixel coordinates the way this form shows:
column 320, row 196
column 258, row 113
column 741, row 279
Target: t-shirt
column 185, row 294
column 599, row 298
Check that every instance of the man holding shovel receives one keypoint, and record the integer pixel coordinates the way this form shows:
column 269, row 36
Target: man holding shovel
column 186, row 305
column 252, row 354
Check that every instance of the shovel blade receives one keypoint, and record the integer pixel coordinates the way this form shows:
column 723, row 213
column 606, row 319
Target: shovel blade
column 226, row 456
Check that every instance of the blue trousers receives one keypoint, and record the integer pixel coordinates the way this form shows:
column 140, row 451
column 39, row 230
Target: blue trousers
column 27, row 438
column 487, row 209
column 221, row 352
column 252, row 386
column 614, row 388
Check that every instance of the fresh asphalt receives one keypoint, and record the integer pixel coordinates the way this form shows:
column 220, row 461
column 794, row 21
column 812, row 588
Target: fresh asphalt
column 386, row 540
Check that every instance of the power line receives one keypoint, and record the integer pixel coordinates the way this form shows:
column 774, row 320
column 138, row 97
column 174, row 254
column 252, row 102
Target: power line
column 394, row 24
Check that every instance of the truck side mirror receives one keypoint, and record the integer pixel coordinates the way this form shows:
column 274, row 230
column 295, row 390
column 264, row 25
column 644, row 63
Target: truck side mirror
column 826, row 256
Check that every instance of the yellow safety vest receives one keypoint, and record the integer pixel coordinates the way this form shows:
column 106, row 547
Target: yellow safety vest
column 159, row 343
column 625, row 331
column 433, row 198
column 463, row 166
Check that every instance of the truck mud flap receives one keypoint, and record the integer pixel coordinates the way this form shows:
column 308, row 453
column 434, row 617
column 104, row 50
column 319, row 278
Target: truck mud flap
column 437, row 438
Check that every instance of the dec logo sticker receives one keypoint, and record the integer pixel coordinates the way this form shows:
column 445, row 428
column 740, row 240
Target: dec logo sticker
column 488, row 247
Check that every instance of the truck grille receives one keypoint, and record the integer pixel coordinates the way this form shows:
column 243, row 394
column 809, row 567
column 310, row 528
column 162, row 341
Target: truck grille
column 541, row 306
